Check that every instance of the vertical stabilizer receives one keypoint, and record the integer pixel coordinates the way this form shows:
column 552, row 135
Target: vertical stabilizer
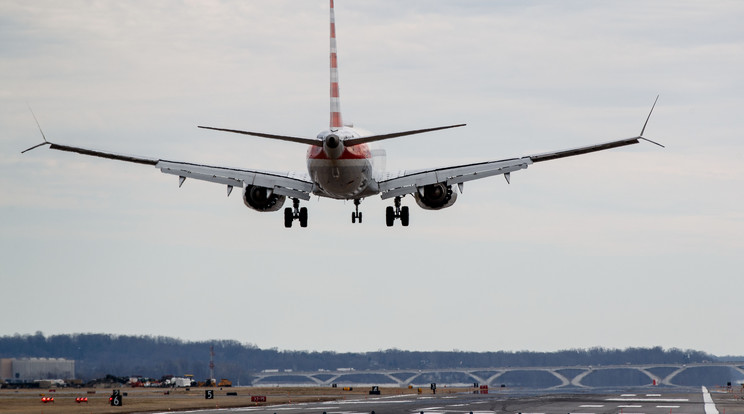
column 336, row 121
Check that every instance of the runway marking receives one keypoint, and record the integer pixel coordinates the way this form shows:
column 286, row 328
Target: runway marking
column 710, row 406
column 346, row 412
column 629, row 406
column 628, row 395
column 591, row 406
column 661, row 400
column 667, row 406
column 653, row 395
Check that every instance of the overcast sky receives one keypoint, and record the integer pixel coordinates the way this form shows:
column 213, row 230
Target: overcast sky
column 637, row 246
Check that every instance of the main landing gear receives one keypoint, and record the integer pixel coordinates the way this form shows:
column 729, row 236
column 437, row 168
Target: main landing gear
column 356, row 215
column 295, row 212
column 398, row 212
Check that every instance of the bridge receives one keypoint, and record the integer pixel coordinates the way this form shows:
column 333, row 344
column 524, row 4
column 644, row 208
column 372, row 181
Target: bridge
column 581, row 377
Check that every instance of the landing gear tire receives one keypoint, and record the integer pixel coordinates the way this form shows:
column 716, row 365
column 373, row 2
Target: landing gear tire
column 359, row 216
column 295, row 212
column 392, row 213
column 404, row 216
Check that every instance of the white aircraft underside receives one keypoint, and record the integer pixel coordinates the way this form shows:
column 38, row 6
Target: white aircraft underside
column 340, row 165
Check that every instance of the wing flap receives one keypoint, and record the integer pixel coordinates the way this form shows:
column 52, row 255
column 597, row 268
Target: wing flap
column 289, row 184
column 282, row 184
column 407, row 183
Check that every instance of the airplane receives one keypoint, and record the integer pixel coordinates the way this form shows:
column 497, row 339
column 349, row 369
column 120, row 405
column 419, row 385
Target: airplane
column 341, row 166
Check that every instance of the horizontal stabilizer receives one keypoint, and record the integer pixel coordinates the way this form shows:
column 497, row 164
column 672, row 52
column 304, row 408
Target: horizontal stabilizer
column 307, row 141
column 362, row 140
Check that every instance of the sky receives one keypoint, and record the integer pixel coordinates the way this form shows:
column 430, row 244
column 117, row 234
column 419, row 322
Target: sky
column 633, row 247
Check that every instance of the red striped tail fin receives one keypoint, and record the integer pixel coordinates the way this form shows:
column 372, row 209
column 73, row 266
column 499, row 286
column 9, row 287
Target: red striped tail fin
column 336, row 121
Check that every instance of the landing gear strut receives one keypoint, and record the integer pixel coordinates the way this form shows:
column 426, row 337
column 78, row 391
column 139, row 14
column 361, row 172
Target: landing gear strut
column 356, row 215
column 295, row 212
column 398, row 212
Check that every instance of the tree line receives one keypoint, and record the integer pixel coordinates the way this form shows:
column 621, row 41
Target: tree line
column 97, row 355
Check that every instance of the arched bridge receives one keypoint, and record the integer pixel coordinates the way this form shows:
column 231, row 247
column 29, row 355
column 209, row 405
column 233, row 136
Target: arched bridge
column 671, row 375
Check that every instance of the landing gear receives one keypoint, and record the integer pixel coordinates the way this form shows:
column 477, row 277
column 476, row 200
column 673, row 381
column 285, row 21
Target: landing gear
column 356, row 215
column 398, row 212
column 295, row 212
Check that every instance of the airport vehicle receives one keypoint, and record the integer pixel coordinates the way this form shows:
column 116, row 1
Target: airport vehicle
column 341, row 165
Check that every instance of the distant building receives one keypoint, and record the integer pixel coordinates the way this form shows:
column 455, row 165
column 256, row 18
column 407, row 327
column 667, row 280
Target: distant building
column 29, row 369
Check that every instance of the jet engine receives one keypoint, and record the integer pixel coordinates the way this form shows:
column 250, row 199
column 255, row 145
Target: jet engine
column 262, row 198
column 435, row 196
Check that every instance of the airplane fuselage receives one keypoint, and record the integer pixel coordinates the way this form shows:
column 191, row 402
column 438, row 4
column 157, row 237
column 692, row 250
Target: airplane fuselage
column 342, row 172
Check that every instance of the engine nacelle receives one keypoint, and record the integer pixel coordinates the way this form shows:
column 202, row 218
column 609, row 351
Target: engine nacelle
column 262, row 198
column 435, row 196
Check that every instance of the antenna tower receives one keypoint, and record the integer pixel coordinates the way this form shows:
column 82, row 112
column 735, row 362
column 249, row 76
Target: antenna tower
column 211, row 362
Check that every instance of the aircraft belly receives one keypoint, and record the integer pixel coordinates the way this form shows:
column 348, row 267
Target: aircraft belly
column 342, row 179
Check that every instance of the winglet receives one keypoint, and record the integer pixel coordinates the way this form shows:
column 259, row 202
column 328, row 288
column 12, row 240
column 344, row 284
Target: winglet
column 646, row 123
column 42, row 133
column 649, row 116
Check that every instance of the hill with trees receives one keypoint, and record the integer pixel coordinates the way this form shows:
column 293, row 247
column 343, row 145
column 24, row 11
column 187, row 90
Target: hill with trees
column 98, row 355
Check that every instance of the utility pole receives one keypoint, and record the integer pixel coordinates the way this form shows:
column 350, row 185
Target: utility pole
column 211, row 363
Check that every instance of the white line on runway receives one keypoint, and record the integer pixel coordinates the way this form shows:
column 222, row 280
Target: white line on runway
column 667, row 406
column 628, row 395
column 710, row 406
column 629, row 406
column 591, row 406
column 653, row 395
column 661, row 400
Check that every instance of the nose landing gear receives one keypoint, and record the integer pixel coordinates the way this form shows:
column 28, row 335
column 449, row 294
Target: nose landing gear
column 398, row 212
column 356, row 215
column 295, row 212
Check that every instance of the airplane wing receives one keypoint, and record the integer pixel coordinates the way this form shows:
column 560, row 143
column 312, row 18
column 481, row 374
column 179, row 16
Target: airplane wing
column 408, row 182
column 294, row 185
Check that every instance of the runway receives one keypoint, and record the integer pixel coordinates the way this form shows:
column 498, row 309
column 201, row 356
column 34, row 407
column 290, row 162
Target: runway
column 646, row 402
